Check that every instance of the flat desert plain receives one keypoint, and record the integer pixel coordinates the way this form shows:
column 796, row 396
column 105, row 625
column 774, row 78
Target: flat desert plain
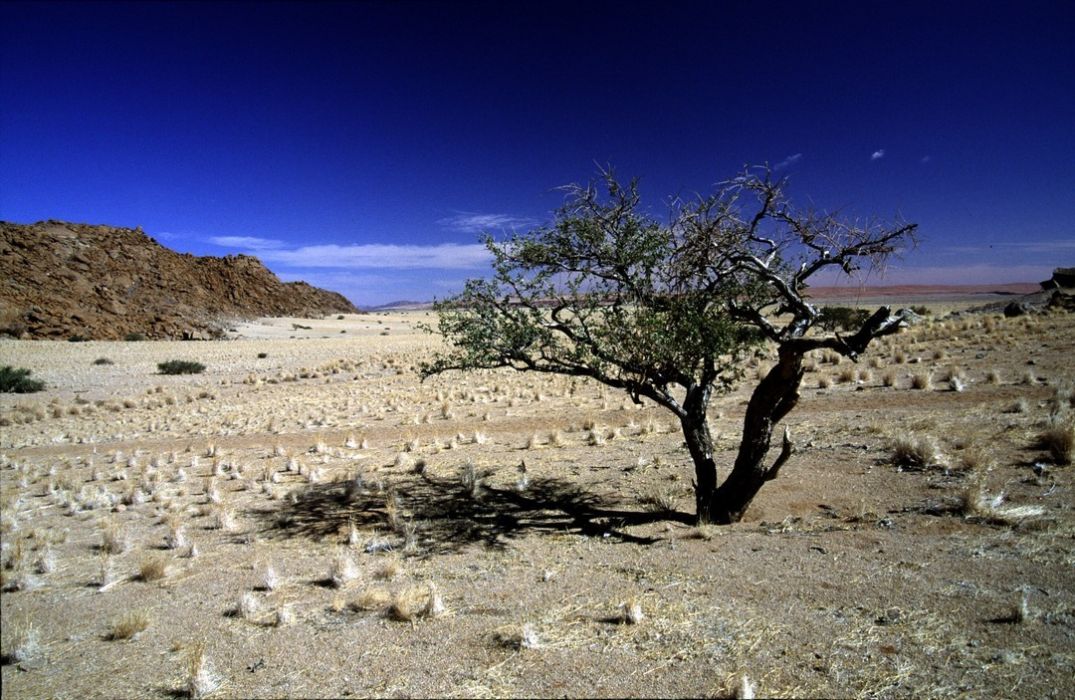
column 306, row 518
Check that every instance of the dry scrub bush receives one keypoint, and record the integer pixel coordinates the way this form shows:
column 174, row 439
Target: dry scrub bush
column 343, row 570
column 372, row 599
column 1058, row 440
column 915, row 453
column 921, row 381
column 152, row 568
column 202, row 680
column 129, row 625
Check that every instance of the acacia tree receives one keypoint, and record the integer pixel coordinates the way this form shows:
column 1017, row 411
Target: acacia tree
column 671, row 312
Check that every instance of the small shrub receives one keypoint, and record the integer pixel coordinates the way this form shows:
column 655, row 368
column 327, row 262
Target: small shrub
column 914, row 453
column 180, row 367
column 130, row 625
column 262, row 355
column 16, row 380
column 77, row 338
column 921, row 381
column 1059, row 441
column 134, row 337
column 202, row 679
column 153, row 568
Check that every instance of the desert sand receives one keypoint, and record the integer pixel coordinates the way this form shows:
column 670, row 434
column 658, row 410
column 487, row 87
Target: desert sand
column 308, row 519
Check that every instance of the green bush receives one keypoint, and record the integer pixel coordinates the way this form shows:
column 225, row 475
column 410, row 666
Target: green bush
column 134, row 337
column 77, row 338
column 16, row 380
column 180, row 367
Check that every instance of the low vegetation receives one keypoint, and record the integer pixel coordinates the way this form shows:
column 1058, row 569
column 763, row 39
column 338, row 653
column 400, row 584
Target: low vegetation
column 180, row 367
column 488, row 528
column 17, row 381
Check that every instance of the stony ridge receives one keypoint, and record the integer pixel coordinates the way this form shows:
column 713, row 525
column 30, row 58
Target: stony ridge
column 62, row 280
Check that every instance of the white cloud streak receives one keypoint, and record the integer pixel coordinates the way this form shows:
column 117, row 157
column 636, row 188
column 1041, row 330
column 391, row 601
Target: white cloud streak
column 878, row 154
column 246, row 242
column 1037, row 247
column 789, row 161
column 470, row 222
column 983, row 274
column 445, row 256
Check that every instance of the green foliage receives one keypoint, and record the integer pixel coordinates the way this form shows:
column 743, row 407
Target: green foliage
column 833, row 318
column 671, row 311
column 77, row 338
column 16, row 380
column 180, row 367
column 134, row 337
column 606, row 292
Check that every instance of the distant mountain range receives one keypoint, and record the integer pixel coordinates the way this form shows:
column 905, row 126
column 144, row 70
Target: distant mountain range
column 79, row 281
column 401, row 306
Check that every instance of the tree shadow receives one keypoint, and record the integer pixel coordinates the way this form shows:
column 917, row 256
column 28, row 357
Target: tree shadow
column 444, row 516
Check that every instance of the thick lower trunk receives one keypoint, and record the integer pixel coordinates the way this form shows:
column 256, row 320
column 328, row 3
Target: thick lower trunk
column 700, row 445
column 772, row 399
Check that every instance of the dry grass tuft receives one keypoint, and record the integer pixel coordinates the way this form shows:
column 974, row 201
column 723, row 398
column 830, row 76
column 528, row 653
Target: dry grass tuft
column 921, row 381
column 525, row 637
column 631, row 611
column 343, row 570
column 248, row 607
column 976, row 503
column 202, row 680
column 1059, row 441
column 114, row 539
column 415, row 602
column 268, row 579
column 915, row 453
column 24, row 642
column 285, row 615
column 130, row 625
column 153, row 568
column 372, row 599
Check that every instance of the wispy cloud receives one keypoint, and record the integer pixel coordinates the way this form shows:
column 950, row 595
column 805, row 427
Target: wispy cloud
column 246, row 242
column 445, row 256
column 471, row 222
column 878, row 154
column 942, row 275
column 1039, row 247
column 789, row 161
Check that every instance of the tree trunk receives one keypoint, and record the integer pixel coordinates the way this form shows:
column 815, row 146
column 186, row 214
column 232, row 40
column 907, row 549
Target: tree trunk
column 700, row 445
column 772, row 399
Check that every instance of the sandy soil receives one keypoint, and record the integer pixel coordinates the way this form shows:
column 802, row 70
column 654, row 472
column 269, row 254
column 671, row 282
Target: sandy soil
column 505, row 525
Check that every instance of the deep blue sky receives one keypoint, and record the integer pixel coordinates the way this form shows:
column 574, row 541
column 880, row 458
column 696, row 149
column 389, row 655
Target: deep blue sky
column 351, row 144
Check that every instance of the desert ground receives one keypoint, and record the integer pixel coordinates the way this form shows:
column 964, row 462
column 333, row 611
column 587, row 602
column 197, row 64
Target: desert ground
column 306, row 518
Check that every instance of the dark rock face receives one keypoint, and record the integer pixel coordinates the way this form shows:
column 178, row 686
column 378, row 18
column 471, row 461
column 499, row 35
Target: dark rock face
column 1016, row 308
column 1063, row 278
column 61, row 280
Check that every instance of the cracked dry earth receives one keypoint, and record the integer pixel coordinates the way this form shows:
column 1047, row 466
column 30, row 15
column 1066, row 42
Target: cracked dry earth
column 511, row 535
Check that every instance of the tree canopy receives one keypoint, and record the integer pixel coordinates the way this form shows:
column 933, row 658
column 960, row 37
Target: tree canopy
column 670, row 311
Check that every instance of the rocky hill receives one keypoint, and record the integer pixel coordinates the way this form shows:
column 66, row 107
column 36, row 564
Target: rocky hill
column 62, row 280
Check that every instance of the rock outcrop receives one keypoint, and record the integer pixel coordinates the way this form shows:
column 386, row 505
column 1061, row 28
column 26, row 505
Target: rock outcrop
column 62, row 280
